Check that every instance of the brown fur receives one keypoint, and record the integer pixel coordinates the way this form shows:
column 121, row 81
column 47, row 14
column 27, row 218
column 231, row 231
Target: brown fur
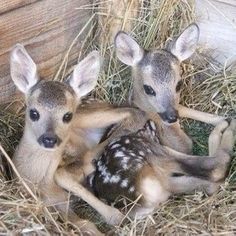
column 38, row 161
column 166, row 169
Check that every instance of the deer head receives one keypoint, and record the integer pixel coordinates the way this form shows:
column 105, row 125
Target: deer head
column 156, row 73
column 51, row 105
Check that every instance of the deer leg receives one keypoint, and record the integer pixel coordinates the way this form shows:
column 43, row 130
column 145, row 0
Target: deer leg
column 139, row 212
column 68, row 180
column 183, row 175
column 205, row 172
column 201, row 167
column 215, row 137
column 190, row 184
column 57, row 197
column 199, row 115
column 104, row 118
column 86, row 227
column 223, row 152
column 220, row 145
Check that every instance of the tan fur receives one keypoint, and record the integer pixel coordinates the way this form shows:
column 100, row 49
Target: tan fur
column 155, row 182
column 174, row 143
column 160, row 69
column 47, row 137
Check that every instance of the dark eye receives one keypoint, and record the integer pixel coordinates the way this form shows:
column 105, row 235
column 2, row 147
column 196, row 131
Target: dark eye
column 149, row 90
column 179, row 85
column 34, row 114
column 67, row 117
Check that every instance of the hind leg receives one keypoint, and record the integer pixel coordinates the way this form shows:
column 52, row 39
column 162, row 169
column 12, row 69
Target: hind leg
column 228, row 137
column 152, row 189
column 190, row 184
column 199, row 115
column 221, row 143
column 70, row 178
column 215, row 137
column 223, row 151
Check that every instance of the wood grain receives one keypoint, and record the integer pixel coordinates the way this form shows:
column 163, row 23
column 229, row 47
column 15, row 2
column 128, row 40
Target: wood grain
column 46, row 28
column 217, row 22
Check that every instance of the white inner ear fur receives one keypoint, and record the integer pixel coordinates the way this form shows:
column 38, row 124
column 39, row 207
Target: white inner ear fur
column 186, row 44
column 23, row 69
column 127, row 49
column 85, row 74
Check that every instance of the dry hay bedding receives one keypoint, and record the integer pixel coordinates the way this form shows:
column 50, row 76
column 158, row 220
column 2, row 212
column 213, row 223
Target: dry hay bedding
column 207, row 87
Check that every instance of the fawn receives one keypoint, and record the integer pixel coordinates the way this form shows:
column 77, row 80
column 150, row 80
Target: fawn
column 157, row 83
column 54, row 125
column 153, row 161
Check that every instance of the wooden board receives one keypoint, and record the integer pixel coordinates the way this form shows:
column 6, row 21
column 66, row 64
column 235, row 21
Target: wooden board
column 217, row 22
column 46, row 28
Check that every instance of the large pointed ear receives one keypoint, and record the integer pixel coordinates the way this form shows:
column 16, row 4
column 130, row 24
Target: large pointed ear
column 127, row 49
column 23, row 69
column 186, row 44
column 85, row 75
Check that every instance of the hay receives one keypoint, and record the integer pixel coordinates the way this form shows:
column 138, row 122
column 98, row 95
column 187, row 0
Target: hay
column 207, row 88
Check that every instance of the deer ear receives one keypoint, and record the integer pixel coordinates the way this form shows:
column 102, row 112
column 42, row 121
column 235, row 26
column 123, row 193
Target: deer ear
column 23, row 69
column 85, row 74
column 127, row 49
column 185, row 45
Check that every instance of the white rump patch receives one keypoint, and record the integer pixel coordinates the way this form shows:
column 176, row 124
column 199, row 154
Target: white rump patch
column 153, row 192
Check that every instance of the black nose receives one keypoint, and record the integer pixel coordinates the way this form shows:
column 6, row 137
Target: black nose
column 170, row 116
column 48, row 140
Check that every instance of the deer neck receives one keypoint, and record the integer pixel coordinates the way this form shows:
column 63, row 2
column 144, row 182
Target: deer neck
column 34, row 163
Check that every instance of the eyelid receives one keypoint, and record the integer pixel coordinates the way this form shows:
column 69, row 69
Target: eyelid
column 149, row 90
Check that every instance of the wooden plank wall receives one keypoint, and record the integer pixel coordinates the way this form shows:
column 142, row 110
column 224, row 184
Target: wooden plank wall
column 46, row 28
column 217, row 21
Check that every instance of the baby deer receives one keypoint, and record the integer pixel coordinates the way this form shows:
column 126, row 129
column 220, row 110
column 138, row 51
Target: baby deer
column 52, row 121
column 152, row 161
column 157, row 84
column 138, row 165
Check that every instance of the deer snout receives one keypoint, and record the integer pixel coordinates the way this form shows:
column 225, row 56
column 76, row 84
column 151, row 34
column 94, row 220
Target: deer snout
column 170, row 116
column 49, row 140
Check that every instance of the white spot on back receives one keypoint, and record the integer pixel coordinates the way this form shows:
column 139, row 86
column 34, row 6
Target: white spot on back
column 124, row 183
column 131, row 189
column 119, row 154
column 153, row 125
column 106, row 179
column 115, row 179
column 141, row 153
column 125, row 159
column 149, row 150
column 127, row 141
column 114, row 146
column 99, row 163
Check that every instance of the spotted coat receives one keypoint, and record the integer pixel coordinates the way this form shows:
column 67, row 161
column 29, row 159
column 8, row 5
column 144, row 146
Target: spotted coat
column 121, row 161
